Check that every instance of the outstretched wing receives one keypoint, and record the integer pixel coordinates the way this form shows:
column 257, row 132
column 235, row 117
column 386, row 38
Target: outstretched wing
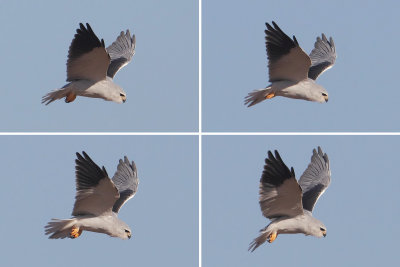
column 315, row 179
column 280, row 194
column 121, row 52
column 323, row 56
column 126, row 181
column 96, row 193
column 87, row 56
column 287, row 61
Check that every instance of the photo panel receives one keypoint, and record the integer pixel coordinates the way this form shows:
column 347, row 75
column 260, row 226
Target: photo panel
column 39, row 184
column 160, row 83
column 359, row 208
column 361, row 86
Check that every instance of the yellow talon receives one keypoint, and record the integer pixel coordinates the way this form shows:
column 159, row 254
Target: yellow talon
column 270, row 95
column 70, row 97
column 75, row 232
column 272, row 237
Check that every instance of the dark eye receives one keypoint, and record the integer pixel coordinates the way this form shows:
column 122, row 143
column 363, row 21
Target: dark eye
column 121, row 94
column 322, row 229
column 324, row 94
column 127, row 231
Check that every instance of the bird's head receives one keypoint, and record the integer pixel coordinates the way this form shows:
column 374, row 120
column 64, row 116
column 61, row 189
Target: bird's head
column 319, row 230
column 320, row 95
column 116, row 93
column 121, row 230
column 315, row 92
column 124, row 232
column 119, row 96
column 323, row 231
column 122, row 95
column 316, row 227
column 128, row 233
column 325, row 96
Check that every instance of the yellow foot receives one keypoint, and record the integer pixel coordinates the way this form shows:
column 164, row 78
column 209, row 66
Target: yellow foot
column 270, row 95
column 75, row 232
column 272, row 237
column 70, row 97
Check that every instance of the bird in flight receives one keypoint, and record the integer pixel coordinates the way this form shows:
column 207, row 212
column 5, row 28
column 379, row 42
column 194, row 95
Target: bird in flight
column 292, row 73
column 98, row 200
column 91, row 67
column 288, row 203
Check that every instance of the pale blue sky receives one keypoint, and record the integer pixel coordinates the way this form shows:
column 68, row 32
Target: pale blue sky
column 362, row 86
column 360, row 208
column 38, row 174
column 161, row 82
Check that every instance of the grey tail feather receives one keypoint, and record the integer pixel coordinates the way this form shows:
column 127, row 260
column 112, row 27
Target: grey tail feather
column 55, row 95
column 264, row 234
column 59, row 228
column 256, row 96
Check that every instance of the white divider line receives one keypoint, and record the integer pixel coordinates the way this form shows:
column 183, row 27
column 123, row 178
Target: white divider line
column 103, row 133
column 301, row 133
column 200, row 136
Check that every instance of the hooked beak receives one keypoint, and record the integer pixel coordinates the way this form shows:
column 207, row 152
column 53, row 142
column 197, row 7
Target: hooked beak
column 326, row 99
column 129, row 235
column 324, row 234
column 123, row 99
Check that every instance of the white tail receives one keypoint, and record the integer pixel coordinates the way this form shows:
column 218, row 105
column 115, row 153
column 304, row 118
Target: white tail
column 264, row 234
column 256, row 96
column 59, row 228
column 55, row 95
